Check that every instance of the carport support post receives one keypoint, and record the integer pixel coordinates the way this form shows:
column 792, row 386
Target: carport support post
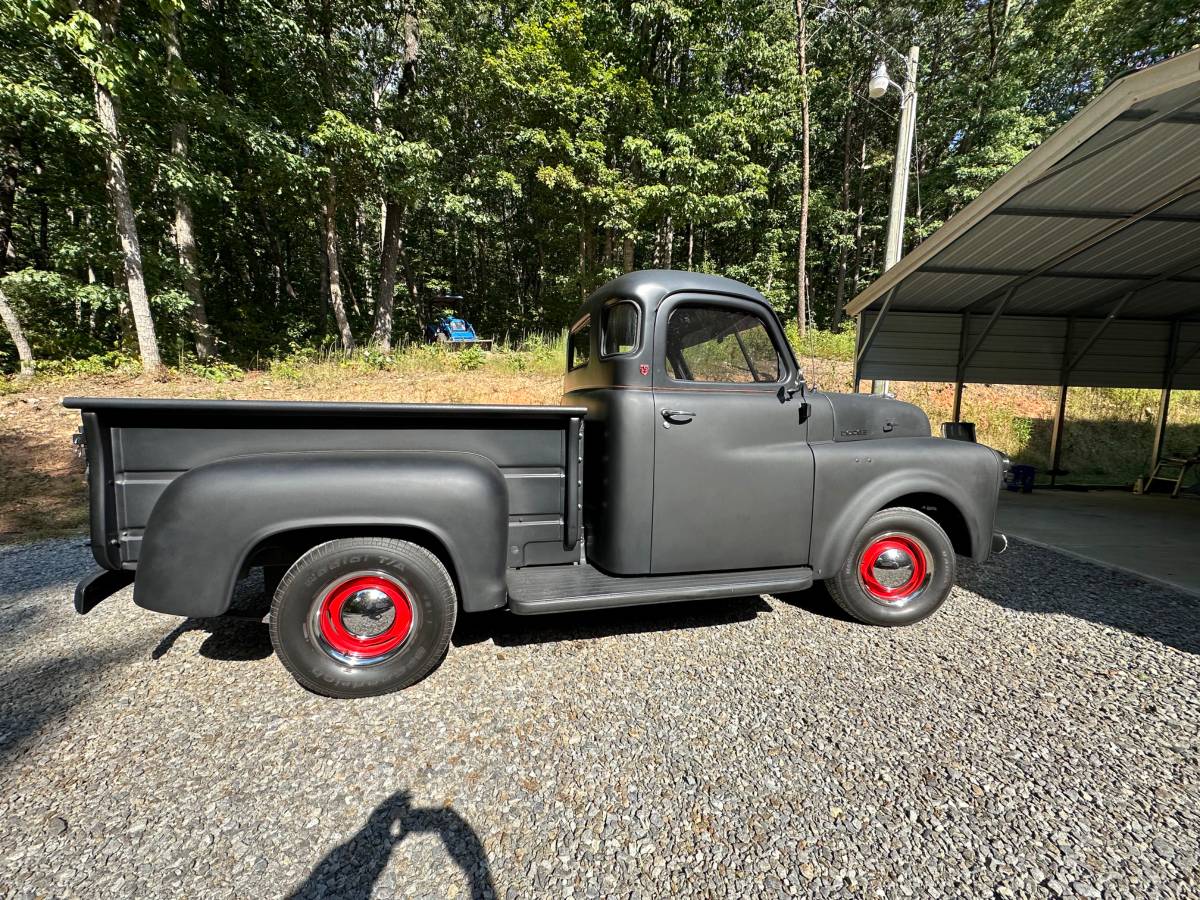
column 964, row 330
column 1060, row 411
column 1164, row 401
column 1060, row 415
column 869, row 339
column 1160, row 427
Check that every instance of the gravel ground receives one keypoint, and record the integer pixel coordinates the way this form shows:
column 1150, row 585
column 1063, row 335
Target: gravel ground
column 1037, row 737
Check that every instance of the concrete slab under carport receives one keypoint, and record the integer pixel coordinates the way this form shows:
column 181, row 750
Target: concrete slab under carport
column 1151, row 535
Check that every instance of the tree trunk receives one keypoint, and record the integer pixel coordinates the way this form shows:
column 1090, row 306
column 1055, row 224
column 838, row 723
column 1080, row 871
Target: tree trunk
column 276, row 254
column 844, row 250
column 8, row 197
column 185, row 234
column 346, row 277
column 583, row 228
column 393, row 231
column 393, row 211
column 627, row 248
column 802, row 240
column 858, row 218
column 666, row 243
column 108, row 111
column 329, row 221
column 42, row 257
column 24, row 354
column 329, row 233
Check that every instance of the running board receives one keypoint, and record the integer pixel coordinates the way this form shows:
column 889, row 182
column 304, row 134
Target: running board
column 550, row 589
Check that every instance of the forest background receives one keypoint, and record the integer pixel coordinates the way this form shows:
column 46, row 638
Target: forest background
column 195, row 180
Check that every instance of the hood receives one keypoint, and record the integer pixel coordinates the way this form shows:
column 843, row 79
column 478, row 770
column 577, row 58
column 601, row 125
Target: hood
column 866, row 417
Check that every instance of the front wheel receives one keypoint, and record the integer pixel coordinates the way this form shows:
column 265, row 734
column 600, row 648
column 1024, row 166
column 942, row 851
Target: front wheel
column 358, row 617
column 901, row 568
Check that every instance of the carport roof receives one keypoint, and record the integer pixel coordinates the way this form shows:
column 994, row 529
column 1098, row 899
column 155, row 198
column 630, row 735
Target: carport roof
column 1080, row 265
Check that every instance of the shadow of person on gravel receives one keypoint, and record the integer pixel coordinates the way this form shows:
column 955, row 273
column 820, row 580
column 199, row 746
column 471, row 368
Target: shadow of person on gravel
column 351, row 869
column 1037, row 580
column 507, row 630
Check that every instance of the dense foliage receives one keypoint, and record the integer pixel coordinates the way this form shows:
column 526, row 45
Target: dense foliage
column 285, row 166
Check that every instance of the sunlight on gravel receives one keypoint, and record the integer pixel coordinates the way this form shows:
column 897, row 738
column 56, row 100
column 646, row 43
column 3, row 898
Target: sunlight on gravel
column 1040, row 736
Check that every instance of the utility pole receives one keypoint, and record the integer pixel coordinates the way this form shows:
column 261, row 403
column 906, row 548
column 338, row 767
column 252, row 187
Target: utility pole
column 904, row 148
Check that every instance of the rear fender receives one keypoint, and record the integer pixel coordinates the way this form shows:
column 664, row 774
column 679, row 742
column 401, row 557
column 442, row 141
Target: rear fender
column 208, row 520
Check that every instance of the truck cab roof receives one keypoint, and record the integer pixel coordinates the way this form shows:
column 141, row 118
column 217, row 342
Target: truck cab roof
column 652, row 286
column 611, row 339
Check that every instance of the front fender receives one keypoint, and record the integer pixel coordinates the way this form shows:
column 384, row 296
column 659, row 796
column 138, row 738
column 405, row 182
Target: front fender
column 854, row 480
column 207, row 521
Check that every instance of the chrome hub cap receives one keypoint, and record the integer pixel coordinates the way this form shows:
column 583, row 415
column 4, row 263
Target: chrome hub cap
column 893, row 568
column 368, row 613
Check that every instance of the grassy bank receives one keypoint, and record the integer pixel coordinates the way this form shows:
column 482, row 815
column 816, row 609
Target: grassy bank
column 1107, row 438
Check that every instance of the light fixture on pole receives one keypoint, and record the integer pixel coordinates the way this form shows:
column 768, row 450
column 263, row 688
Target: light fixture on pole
column 880, row 81
column 877, row 87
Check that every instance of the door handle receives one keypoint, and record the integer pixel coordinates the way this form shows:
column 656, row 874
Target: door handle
column 678, row 416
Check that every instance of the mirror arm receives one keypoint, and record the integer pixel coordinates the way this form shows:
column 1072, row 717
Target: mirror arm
column 795, row 385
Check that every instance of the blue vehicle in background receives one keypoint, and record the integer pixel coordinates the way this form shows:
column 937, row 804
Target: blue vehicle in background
column 453, row 330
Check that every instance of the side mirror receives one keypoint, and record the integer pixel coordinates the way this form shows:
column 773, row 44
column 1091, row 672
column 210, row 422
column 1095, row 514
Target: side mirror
column 794, row 385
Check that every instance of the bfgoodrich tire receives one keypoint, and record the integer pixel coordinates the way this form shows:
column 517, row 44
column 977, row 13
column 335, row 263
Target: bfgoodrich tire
column 357, row 617
column 901, row 568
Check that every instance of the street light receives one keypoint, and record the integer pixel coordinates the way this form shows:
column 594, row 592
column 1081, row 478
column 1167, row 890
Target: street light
column 880, row 81
column 877, row 87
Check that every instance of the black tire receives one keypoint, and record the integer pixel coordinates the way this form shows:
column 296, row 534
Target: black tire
column 324, row 657
column 917, row 539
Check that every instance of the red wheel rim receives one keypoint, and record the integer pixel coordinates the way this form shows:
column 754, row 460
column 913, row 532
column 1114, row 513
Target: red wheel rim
column 364, row 646
column 898, row 547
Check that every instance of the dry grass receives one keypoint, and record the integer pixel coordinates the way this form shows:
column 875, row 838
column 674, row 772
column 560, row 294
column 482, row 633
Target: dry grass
column 42, row 488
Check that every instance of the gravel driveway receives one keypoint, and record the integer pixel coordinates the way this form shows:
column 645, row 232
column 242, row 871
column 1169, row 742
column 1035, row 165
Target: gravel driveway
column 1040, row 736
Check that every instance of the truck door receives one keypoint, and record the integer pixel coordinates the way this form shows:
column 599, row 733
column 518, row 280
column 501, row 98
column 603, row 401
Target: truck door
column 733, row 472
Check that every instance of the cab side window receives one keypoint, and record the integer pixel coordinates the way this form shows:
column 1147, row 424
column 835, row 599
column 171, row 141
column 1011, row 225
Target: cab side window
column 720, row 345
column 579, row 344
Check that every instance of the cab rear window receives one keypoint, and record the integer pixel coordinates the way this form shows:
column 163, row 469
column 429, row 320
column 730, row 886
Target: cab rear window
column 621, row 328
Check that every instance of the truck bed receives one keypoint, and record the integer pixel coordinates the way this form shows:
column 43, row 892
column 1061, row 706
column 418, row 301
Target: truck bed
column 136, row 447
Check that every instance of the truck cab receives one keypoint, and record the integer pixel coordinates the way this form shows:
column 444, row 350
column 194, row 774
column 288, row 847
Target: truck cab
column 688, row 460
column 698, row 422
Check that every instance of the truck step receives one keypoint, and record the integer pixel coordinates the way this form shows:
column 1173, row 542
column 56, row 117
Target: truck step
column 550, row 589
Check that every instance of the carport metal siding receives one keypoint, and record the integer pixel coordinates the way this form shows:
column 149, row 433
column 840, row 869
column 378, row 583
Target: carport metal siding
column 921, row 346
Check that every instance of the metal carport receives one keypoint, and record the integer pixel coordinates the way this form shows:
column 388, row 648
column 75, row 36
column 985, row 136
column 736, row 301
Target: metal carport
column 1079, row 267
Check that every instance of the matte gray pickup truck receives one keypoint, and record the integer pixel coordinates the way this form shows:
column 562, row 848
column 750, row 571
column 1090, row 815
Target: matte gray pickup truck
column 690, row 462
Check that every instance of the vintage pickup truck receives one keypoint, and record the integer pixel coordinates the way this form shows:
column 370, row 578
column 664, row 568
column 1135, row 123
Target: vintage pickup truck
column 690, row 462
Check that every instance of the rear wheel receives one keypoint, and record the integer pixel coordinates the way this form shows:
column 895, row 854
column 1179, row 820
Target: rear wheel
column 901, row 568
column 358, row 617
